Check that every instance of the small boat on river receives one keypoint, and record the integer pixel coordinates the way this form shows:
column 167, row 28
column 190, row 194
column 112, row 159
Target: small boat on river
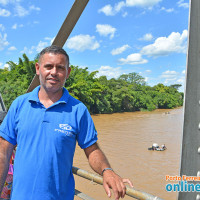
column 155, row 147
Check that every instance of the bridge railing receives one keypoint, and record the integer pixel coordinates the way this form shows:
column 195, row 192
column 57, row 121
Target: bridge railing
column 2, row 105
column 98, row 179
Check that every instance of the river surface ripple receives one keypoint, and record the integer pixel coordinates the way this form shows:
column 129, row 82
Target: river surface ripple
column 125, row 138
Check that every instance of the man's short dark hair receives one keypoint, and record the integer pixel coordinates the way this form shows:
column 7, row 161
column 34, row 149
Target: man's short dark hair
column 54, row 50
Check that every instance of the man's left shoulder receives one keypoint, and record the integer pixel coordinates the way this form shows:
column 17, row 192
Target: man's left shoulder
column 77, row 103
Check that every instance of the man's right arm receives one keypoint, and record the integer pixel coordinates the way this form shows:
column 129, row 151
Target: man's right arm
column 6, row 150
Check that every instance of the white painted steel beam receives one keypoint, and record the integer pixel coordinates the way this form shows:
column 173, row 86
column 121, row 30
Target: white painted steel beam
column 190, row 158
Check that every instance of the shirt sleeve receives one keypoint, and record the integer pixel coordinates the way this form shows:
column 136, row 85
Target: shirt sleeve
column 87, row 133
column 7, row 128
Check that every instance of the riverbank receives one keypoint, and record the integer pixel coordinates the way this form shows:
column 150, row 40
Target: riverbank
column 165, row 111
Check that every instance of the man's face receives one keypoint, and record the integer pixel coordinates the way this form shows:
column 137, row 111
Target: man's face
column 52, row 71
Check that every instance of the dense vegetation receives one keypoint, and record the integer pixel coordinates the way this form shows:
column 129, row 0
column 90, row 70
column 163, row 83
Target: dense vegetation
column 129, row 92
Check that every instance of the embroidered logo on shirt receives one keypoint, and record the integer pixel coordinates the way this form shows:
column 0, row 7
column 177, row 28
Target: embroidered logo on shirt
column 66, row 127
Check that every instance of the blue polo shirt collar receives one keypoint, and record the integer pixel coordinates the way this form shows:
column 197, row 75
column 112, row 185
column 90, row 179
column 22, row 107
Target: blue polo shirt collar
column 34, row 96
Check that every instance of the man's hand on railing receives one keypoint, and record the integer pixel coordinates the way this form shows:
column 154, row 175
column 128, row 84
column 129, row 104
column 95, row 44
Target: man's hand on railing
column 116, row 183
column 131, row 192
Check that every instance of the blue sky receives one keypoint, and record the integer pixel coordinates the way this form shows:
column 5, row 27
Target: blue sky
column 114, row 37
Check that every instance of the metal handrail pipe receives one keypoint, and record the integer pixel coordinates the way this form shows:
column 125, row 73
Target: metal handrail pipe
column 2, row 105
column 82, row 195
column 129, row 191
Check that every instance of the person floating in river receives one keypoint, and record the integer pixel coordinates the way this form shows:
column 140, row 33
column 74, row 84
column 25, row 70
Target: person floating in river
column 157, row 148
column 163, row 146
column 45, row 124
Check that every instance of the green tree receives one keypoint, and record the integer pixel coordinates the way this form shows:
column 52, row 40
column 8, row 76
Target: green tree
column 127, row 93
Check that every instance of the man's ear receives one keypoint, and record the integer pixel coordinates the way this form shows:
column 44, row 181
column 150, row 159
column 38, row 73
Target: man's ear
column 37, row 67
column 68, row 72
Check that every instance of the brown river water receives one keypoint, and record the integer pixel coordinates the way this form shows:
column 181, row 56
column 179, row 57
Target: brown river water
column 125, row 138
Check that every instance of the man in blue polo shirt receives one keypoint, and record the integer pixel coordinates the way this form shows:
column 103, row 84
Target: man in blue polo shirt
column 45, row 124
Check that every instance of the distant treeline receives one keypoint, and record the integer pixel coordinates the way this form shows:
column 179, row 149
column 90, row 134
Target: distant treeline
column 127, row 93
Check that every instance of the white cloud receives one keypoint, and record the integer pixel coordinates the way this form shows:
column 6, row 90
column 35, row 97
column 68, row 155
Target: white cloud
column 148, row 71
column 83, row 66
column 146, row 79
column 18, row 9
column 147, row 37
column 173, row 77
column 169, row 10
column 108, row 10
column 174, row 43
column 1, row 64
column 169, row 74
column 4, row 2
column 181, row 3
column 119, row 6
column 13, row 48
column 110, row 72
column 2, row 28
column 3, row 41
column 120, row 49
column 181, row 80
column 170, row 77
column 14, row 26
column 4, row 13
column 124, row 14
column 21, row 11
column 142, row 3
column 133, row 59
column 33, row 7
column 41, row 45
column 170, row 80
column 183, row 72
column 82, row 43
column 105, row 30
column 50, row 39
column 6, row 66
column 28, row 50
